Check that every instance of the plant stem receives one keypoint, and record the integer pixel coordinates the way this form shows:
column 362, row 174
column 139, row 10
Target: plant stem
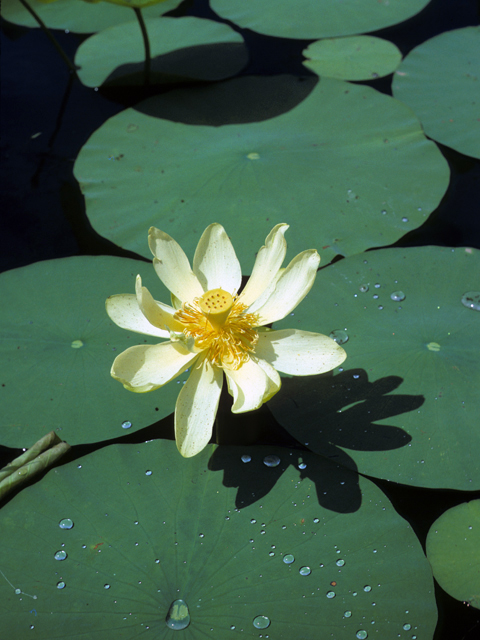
column 51, row 37
column 146, row 42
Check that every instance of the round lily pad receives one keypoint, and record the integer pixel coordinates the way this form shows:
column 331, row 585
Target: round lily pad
column 453, row 544
column 58, row 345
column 405, row 405
column 319, row 19
column 77, row 15
column 134, row 541
column 100, row 59
column 349, row 167
column 439, row 81
column 352, row 58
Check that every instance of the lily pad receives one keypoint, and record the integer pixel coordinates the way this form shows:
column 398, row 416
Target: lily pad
column 405, row 407
column 58, row 346
column 320, row 19
column 100, row 59
column 77, row 15
column 348, row 166
column 353, row 58
column 453, row 544
column 135, row 540
column 439, row 80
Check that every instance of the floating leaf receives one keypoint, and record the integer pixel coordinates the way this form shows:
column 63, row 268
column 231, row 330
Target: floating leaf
column 354, row 58
column 320, row 19
column 439, row 80
column 58, row 346
column 100, row 59
column 452, row 549
column 406, row 405
column 348, row 166
column 138, row 540
column 77, row 15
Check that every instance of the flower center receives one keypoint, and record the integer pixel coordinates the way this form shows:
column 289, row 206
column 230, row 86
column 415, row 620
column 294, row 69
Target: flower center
column 219, row 324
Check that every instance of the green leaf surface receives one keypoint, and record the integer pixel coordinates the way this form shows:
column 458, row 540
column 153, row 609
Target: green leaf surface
column 78, row 16
column 405, row 405
column 453, row 549
column 349, row 167
column 100, row 57
column 440, row 81
column 140, row 528
column 353, row 58
column 58, row 346
column 319, row 19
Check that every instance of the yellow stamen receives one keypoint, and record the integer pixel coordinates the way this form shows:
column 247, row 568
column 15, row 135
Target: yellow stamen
column 219, row 325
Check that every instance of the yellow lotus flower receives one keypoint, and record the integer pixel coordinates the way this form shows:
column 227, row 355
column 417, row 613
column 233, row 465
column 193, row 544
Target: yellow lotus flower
column 215, row 330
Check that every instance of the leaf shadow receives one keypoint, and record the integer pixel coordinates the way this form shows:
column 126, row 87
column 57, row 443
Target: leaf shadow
column 240, row 100
column 201, row 63
column 325, row 413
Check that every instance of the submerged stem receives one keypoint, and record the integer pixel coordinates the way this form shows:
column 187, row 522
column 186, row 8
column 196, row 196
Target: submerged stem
column 50, row 36
column 146, row 43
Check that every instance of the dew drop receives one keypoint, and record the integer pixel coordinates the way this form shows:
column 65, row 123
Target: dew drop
column 61, row 585
column 397, row 296
column 60, row 555
column 302, row 465
column 148, row 473
column 340, row 563
column 271, row 461
column 316, row 520
column 289, row 558
column 106, row 586
column 178, row 616
column 126, row 425
column 246, row 458
column 471, row 300
column 403, row 220
column 330, row 594
column 253, row 521
column 407, row 627
column 364, row 288
column 18, row 591
column 66, row 523
column 347, row 614
column 362, row 634
column 367, row 588
column 261, row 622
column 304, row 571
column 339, row 335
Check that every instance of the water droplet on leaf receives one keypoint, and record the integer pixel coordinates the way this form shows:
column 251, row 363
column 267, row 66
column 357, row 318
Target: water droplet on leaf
column 471, row 300
column 261, row 622
column 397, row 296
column 126, row 425
column 288, row 559
column 178, row 616
column 246, row 458
column 271, row 461
column 60, row 555
column 304, row 571
column 339, row 336
column 66, row 523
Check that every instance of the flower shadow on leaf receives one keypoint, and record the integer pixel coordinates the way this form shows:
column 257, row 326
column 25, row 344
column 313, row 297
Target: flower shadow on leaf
column 326, row 412
column 336, row 486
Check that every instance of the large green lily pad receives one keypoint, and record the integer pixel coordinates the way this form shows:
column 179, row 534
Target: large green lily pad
column 148, row 528
column 77, row 15
column 349, row 167
column 99, row 57
column 320, row 19
column 453, row 549
column 58, row 346
column 352, row 58
column 439, row 80
column 405, row 406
